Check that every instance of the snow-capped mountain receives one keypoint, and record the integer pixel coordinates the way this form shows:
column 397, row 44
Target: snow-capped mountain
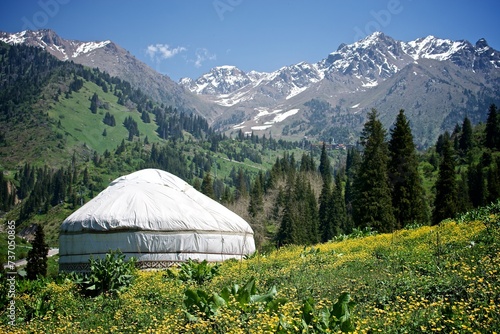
column 437, row 81
column 375, row 58
column 220, row 80
column 111, row 58
column 367, row 73
column 51, row 42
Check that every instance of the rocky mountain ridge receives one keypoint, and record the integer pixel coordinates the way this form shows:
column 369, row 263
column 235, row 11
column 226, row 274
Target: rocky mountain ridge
column 437, row 81
column 115, row 60
column 355, row 78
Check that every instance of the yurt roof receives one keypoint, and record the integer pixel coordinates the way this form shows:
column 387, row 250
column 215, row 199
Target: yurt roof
column 153, row 200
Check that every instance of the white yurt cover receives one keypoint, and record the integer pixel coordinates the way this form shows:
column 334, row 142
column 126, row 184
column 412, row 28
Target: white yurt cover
column 158, row 219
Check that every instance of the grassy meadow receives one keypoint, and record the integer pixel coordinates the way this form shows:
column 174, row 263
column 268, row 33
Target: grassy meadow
column 426, row 279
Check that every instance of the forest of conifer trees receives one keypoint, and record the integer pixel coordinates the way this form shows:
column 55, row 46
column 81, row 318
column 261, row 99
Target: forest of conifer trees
column 384, row 184
column 381, row 184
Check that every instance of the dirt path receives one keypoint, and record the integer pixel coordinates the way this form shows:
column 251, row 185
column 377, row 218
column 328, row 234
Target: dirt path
column 23, row 262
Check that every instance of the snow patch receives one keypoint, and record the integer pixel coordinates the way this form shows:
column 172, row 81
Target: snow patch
column 285, row 115
column 15, row 38
column 260, row 127
column 370, row 83
column 295, row 91
column 88, row 47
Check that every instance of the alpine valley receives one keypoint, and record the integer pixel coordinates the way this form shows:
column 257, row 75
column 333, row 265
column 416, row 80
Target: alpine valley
column 436, row 81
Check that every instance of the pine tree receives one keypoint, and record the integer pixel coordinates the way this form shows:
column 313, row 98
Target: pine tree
column 256, row 197
column 493, row 179
column 326, row 229
column 37, row 256
column 340, row 222
column 286, row 229
column 465, row 143
column 241, row 184
column 353, row 162
column 492, row 138
column 406, row 183
column 94, row 103
column 206, row 186
column 372, row 206
column 324, row 166
column 325, row 226
column 446, row 186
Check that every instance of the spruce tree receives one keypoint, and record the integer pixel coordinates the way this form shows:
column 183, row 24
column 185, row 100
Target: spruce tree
column 286, row 229
column 325, row 226
column 256, row 197
column 372, row 206
column 206, row 186
column 492, row 138
column 446, row 186
column 406, row 183
column 326, row 230
column 324, row 166
column 352, row 165
column 37, row 256
column 493, row 179
column 94, row 103
column 338, row 209
column 465, row 143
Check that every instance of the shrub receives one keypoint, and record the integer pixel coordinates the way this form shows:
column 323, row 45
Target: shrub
column 198, row 272
column 111, row 274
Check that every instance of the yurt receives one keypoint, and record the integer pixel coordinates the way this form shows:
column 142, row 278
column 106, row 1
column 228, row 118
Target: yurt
column 158, row 219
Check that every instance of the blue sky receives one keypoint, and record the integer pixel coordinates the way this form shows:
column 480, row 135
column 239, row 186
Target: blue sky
column 185, row 38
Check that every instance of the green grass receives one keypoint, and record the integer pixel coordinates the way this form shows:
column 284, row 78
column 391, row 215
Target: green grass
column 421, row 280
column 80, row 126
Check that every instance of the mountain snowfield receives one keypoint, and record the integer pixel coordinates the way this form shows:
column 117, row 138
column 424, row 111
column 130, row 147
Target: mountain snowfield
column 356, row 72
column 437, row 81
column 53, row 43
column 372, row 59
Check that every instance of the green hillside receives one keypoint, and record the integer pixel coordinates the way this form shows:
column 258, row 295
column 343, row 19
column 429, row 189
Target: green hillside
column 442, row 278
column 79, row 126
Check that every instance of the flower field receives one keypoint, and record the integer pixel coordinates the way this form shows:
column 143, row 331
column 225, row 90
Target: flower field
column 427, row 279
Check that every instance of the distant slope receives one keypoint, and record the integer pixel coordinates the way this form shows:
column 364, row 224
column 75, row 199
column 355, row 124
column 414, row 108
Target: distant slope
column 114, row 60
column 437, row 81
column 45, row 108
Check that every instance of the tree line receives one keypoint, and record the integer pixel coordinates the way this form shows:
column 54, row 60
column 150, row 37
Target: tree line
column 380, row 186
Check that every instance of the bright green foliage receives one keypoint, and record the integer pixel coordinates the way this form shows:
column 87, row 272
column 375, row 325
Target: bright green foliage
column 198, row 272
column 406, row 184
column 424, row 279
column 202, row 304
column 446, row 186
column 37, row 256
column 324, row 320
column 109, row 275
column 372, row 205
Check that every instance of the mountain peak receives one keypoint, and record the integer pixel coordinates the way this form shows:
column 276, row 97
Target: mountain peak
column 53, row 43
column 482, row 44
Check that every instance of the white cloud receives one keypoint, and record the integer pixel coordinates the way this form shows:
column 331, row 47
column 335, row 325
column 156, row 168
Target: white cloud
column 163, row 51
column 202, row 55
